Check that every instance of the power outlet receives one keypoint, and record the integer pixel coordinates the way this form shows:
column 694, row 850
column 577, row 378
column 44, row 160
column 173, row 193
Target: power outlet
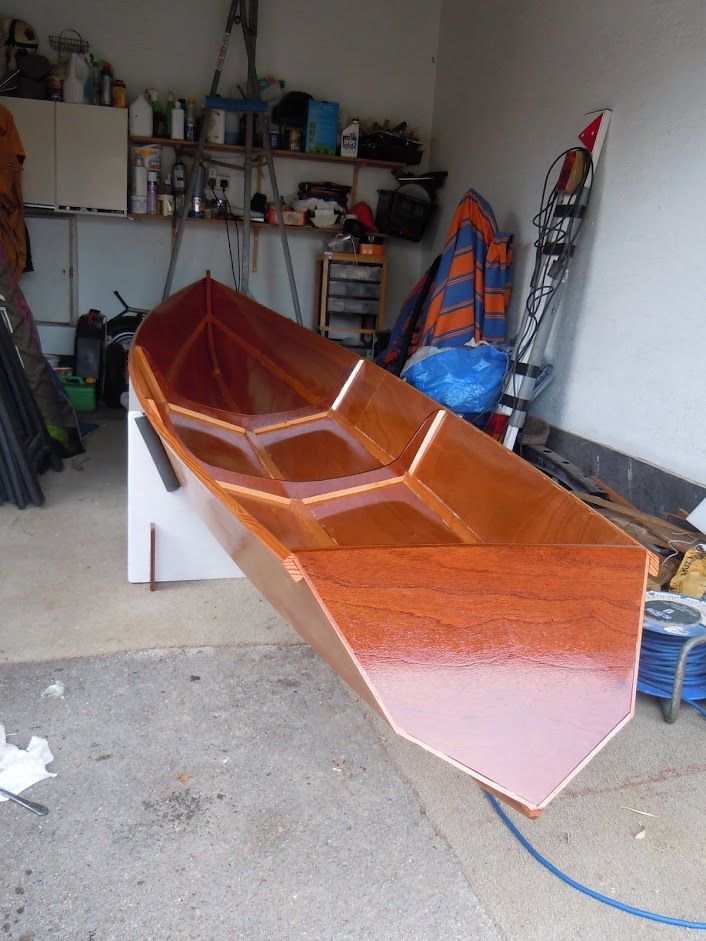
column 223, row 181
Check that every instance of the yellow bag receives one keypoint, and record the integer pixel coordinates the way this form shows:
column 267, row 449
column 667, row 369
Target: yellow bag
column 690, row 578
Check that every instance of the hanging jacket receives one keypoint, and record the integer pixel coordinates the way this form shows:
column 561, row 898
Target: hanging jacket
column 469, row 292
column 12, row 225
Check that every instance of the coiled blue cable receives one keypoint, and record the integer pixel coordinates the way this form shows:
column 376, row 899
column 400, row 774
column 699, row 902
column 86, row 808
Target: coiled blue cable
column 606, row 900
column 659, row 654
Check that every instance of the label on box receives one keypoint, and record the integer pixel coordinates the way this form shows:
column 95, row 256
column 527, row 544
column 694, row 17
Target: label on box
column 322, row 127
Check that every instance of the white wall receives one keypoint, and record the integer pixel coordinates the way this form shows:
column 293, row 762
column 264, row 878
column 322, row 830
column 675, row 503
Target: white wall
column 374, row 58
column 513, row 82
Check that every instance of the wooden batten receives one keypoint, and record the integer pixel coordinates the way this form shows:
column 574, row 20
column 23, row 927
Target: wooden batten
column 206, row 419
column 290, row 423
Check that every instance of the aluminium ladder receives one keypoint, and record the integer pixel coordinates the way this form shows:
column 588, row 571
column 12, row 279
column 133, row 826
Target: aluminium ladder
column 246, row 16
column 534, row 330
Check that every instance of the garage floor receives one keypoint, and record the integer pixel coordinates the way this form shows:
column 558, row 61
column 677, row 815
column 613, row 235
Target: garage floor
column 216, row 780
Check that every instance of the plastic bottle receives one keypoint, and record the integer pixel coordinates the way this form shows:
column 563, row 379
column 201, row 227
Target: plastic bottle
column 349, row 139
column 140, row 117
column 107, row 86
column 158, row 124
column 190, row 120
column 152, row 185
column 96, row 81
column 138, row 197
column 176, row 128
column 76, row 73
column 170, row 106
column 118, row 93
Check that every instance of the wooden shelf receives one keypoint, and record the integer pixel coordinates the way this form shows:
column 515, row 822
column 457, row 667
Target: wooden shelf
column 262, row 226
column 260, row 151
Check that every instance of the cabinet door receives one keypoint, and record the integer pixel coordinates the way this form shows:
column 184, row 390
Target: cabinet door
column 48, row 289
column 91, row 157
column 35, row 122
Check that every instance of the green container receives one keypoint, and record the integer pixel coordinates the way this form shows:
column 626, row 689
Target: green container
column 81, row 393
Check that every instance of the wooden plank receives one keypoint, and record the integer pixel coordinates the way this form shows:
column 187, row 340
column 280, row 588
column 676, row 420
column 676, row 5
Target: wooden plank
column 614, row 495
column 656, row 524
column 280, row 154
column 153, row 557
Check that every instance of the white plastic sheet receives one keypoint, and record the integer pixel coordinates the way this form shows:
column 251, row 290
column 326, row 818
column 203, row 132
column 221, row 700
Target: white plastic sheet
column 20, row 768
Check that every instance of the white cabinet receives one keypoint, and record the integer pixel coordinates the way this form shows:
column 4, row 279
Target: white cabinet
column 36, row 123
column 76, row 155
column 91, row 158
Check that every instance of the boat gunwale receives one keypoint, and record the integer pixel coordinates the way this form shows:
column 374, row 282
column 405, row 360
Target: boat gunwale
column 165, row 394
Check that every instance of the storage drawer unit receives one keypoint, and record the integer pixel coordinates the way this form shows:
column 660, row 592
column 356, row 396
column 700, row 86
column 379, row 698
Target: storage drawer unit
column 351, row 300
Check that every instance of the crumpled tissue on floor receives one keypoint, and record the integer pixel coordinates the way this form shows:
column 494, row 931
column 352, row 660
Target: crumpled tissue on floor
column 21, row 768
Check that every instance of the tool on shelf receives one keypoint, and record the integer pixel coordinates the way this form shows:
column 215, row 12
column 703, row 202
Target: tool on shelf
column 246, row 16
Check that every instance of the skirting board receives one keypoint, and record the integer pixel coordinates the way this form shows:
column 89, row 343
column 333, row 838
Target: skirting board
column 185, row 549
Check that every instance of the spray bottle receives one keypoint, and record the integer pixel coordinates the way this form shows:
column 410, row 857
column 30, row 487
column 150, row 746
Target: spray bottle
column 190, row 121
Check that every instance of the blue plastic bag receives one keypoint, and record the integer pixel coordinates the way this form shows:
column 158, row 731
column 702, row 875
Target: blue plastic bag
column 465, row 379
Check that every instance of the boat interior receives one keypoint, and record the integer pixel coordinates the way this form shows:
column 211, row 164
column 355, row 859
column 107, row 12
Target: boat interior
column 358, row 457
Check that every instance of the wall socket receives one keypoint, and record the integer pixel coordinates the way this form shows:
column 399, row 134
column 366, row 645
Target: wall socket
column 223, row 178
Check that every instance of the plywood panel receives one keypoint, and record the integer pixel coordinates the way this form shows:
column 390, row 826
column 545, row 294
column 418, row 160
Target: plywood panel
column 516, row 678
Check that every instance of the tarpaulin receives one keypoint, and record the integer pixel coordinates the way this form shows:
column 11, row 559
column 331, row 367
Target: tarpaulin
column 468, row 293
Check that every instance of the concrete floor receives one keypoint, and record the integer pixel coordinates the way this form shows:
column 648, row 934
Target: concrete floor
column 215, row 779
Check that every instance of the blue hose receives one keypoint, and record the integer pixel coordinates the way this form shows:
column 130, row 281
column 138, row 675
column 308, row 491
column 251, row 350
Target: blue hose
column 614, row 903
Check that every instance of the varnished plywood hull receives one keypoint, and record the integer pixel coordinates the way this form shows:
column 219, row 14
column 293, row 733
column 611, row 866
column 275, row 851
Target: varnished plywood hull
column 485, row 613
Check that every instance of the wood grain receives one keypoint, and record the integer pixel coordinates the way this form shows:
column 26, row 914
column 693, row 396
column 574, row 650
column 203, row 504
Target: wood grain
column 515, row 663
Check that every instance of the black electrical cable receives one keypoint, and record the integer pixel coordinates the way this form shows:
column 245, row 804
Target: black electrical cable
column 229, row 212
column 226, row 213
column 237, row 238
column 553, row 231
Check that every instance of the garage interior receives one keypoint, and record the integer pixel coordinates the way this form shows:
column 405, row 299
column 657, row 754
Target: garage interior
column 215, row 778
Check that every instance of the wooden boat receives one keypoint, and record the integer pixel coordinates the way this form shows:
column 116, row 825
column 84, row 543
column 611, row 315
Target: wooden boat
column 485, row 612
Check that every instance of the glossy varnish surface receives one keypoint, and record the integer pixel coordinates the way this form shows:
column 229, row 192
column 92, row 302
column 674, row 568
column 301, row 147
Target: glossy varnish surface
column 487, row 613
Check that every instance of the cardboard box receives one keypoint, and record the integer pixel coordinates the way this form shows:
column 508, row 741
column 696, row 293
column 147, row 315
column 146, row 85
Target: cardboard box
column 322, row 127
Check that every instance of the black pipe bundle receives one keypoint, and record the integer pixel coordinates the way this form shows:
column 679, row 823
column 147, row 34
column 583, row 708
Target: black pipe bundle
column 26, row 449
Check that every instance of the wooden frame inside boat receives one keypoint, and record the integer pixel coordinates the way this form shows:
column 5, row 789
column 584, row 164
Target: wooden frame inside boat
column 486, row 613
